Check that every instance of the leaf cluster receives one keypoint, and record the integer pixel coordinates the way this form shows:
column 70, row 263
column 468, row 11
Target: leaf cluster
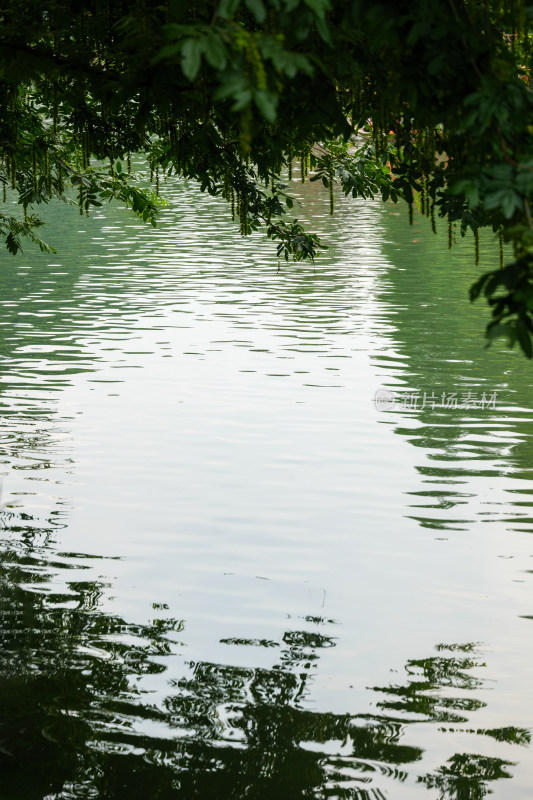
column 426, row 101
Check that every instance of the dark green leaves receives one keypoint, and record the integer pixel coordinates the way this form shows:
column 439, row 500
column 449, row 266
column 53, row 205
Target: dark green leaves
column 510, row 295
column 13, row 231
column 523, row 334
column 360, row 172
column 418, row 100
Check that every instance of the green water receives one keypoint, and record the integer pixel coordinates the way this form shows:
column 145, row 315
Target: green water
column 228, row 570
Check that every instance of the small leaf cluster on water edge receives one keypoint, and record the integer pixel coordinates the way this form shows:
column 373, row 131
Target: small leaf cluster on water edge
column 230, row 93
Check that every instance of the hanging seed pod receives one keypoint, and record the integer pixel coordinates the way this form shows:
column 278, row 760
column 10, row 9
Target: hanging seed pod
column 433, row 223
column 172, row 144
column 430, row 148
column 518, row 22
column 410, row 213
column 450, row 233
column 374, row 132
column 86, row 149
column 34, row 166
column 244, row 215
column 47, row 172
column 476, row 246
column 226, row 193
column 383, row 130
column 4, row 192
column 128, row 163
column 55, row 109
column 157, row 180
column 357, row 107
column 232, row 205
column 13, row 165
column 331, row 195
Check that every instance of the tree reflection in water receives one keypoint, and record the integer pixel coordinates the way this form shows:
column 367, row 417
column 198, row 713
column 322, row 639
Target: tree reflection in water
column 74, row 724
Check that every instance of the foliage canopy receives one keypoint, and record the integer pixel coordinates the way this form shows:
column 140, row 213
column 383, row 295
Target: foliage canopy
column 230, row 92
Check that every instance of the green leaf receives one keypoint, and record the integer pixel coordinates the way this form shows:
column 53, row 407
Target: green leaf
column 477, row 287
column 472, row 195
column 494, row 199
column 257, row 8
column 242, row 99
column 266, row 102
column 232, row 85
column 511, row 201
column 215, row 52
column 502, row 172
column 323, row 30
column 497, row 329
column 227, row 8
column 167, row 52
column 191, row 56
column 13, row 244
column 318, row 6
column 495, row 280
column 418, row 30
column 524, row 337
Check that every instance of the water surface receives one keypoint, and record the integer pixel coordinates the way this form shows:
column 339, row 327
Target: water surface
column 230, row 572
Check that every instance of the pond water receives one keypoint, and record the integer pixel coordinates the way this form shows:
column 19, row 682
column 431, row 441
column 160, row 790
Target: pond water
column 266, row 534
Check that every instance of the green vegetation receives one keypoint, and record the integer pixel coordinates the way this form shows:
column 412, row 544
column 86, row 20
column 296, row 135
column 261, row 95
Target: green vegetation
column 230, row 93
